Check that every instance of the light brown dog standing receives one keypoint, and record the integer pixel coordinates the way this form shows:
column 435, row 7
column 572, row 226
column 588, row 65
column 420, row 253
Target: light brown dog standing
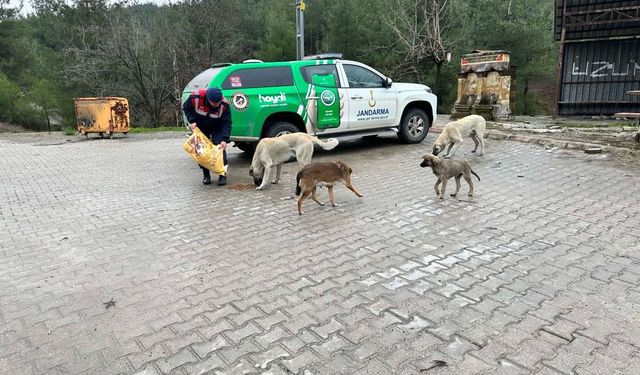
column 322, row 174
column 452, row 135
column 445, row 169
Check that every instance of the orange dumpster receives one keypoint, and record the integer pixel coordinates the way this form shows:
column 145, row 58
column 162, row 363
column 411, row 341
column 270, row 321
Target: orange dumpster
column 105, row 116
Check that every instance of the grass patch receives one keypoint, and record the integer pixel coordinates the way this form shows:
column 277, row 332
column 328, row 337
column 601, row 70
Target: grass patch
column 159, row 129
column 70, row 131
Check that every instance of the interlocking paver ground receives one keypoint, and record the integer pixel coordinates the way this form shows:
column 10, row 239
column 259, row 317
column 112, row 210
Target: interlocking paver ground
column 114, row 258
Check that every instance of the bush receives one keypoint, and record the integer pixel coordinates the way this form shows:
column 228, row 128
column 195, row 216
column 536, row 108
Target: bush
column 16, row 108
column 9, row 95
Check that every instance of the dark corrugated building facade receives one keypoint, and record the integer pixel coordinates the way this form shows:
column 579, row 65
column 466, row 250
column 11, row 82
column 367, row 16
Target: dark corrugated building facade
column 599, row 56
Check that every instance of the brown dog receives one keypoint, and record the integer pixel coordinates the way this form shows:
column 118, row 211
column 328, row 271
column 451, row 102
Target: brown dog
column 322, row 174
column 445, row 169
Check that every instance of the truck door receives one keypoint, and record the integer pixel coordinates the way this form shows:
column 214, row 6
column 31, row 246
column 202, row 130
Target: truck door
column 327, row 101
column 321, row 87
column 371, row 103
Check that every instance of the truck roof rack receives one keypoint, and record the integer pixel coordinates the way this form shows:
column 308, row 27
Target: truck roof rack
column 324, row 56
column 249, row 61
column 218, row 65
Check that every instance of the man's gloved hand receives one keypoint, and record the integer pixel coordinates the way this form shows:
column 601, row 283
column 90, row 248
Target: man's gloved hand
column 193, row 125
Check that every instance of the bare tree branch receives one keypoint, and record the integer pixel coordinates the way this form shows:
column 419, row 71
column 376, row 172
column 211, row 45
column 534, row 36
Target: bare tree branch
column 149, row 59
column 418, row 26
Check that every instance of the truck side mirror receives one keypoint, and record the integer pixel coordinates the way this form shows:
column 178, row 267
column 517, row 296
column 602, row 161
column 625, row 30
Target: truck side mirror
column 387, row 82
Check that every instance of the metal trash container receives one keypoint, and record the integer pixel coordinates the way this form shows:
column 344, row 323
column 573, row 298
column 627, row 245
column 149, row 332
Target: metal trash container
column 105, row 116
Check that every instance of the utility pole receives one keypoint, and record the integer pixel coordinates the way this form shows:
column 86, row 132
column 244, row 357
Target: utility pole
column 300, row 5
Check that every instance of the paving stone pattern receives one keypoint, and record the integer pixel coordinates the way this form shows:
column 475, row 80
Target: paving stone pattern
column 114, row 258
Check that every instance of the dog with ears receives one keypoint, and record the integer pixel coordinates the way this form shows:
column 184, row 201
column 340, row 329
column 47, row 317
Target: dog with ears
column 322, row 174
column 445, row 169
column 471, row 126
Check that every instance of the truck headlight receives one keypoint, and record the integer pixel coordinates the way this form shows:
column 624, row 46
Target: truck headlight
column 429, row 90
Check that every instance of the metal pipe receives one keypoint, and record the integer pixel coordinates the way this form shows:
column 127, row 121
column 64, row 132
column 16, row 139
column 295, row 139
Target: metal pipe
column 560, row 62
column 300, row 5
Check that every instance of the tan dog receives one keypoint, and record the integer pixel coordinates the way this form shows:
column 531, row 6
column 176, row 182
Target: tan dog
column 275, row 151
column 471, row 126
column 322, row 174
column 445, row 169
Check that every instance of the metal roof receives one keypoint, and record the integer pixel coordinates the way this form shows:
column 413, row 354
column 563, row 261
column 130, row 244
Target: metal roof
column 597, row 19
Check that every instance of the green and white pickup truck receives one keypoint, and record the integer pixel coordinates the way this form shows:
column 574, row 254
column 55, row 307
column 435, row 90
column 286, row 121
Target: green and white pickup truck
column 328, row 97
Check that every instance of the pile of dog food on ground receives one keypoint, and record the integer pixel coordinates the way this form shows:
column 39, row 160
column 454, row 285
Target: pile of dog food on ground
column 240, row 187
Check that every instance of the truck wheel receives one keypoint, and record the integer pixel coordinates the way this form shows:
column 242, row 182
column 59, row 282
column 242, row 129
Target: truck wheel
column 281, row 128
column 414, row 126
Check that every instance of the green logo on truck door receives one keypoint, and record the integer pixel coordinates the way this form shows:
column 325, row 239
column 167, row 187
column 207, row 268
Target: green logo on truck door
column 327, row 98
column 328, row 107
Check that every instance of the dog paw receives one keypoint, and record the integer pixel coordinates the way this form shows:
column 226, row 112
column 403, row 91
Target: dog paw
column 334, row 204
column 441, row 196
column 453, row 194
column 469, row 195
column 259, row 188
column 473, row 151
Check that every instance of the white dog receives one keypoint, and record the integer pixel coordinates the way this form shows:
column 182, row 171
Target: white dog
column 275, row 151
column 471, row 126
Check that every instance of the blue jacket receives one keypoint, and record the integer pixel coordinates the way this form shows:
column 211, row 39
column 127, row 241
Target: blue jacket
column 215, row 123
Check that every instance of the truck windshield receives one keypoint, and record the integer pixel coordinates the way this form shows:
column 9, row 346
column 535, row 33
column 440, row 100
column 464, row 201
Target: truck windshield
column 202, row 79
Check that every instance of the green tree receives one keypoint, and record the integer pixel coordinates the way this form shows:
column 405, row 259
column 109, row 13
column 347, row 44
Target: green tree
column 355, row 30
column 43, row 95
column 279, row 40
column 15, row 50
column 7, row 11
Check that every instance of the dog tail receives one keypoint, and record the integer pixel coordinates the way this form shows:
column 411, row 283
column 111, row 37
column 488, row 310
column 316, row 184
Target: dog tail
column 298, row 188
column 330, row 144
column 474, row 173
